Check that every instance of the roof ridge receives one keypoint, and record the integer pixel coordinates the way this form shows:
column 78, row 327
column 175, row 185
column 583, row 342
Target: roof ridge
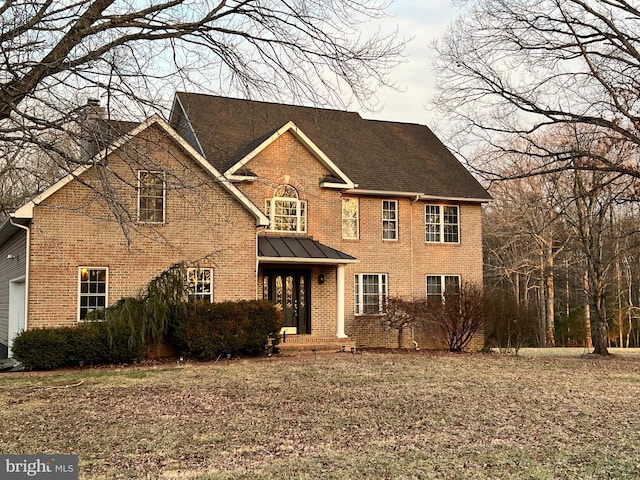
column 276, row 104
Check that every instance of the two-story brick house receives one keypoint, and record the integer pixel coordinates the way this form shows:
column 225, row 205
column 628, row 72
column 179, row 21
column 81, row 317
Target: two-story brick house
column 321, row 211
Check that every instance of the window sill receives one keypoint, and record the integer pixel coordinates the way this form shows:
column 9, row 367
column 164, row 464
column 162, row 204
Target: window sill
column 151, row 224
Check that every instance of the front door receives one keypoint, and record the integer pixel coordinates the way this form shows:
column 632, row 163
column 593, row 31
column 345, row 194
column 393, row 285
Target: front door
column 290, row 289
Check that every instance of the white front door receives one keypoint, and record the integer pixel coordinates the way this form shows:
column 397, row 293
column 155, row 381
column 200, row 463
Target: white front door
column 16, row 308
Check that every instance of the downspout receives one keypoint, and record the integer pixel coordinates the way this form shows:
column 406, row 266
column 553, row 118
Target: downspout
column 27, row 262
column 413, row 333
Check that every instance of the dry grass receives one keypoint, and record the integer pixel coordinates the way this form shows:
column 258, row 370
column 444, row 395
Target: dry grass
column 341, row 416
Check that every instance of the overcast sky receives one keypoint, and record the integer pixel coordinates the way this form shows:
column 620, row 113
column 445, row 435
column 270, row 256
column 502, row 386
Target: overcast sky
column 424, row 20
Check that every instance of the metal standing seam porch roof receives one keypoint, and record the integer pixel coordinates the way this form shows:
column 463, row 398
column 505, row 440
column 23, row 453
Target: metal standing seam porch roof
column 280, row 249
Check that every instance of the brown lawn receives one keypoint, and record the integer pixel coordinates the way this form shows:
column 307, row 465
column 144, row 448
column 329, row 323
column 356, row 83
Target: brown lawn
column 375, row 415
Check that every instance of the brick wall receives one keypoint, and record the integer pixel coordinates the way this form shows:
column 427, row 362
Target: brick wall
column 75, row 227
column 406, row 261
column 206, row 225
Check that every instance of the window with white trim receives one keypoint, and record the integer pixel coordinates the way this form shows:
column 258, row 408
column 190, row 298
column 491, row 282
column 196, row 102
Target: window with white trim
column 350, row 218
column 287, row 213
column 92, row 290
column 200, row 283
column 389, row 220
column 439, row 286
column 370, row 291
column 442, row 223
column 151, row 196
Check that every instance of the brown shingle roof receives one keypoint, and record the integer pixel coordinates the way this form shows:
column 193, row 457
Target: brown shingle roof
column 376, row 155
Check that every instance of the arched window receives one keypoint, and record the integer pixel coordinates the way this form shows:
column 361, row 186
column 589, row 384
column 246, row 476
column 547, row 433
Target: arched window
column 286, row 211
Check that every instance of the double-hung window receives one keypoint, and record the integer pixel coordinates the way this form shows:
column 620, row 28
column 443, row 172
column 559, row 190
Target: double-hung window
column 287, row 213
column 370, row 293
column 389, row 220
column 442, row 224
column 441, row 286
column 92, row 290
column 350, row 218
column 151, row 196
column 200, row 283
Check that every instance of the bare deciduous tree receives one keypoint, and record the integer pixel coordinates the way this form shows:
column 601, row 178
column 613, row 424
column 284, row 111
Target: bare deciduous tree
column 586, row 207
column 519, row 69
column 527, row 211
column 55, row 55
column 457, row 317
column 400, row 314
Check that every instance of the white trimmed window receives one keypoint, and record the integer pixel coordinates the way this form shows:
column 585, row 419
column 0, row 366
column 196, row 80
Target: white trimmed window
column 389, row 220
column 442, row 223
column 151, row 196
column 200, row 283
column 350, row 218
column 370, row 293
column 92, row 290
column 287, row 213
column 439, row 286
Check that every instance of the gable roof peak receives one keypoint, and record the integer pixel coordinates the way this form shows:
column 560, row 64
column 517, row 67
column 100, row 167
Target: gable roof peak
column 376, row 155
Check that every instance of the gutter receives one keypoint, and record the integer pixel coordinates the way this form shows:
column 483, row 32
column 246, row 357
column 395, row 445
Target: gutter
column 27, row 261
column 416, row 196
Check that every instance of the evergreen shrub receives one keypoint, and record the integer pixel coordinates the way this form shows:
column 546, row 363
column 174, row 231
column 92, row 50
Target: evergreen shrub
column 211, row 329
column 40, row 348
column 91, row 343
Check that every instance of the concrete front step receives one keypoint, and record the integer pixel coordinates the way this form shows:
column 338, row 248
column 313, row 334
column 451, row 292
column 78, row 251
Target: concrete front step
column 308, row 343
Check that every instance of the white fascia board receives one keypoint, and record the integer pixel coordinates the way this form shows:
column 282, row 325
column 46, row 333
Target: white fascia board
column 26, row 210
column 306, row 141
column 383, row 193
column 242, row 178
column 433, row 198
column 315, row 261
column 337, row 186
column 416, row 196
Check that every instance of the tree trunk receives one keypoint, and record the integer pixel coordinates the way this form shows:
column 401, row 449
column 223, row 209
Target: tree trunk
column 629, row 300
column 618, row 275
column 550, row 298
column 619, row 297
column 599, row 334
column 587, row 313
column 600, row 324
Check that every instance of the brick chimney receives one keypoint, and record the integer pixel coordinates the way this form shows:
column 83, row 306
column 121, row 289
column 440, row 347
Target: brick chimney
column 91, row 128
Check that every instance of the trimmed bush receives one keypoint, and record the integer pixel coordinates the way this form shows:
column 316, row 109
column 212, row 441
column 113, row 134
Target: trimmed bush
column 91, row 343
column 211, row 329
column 40, row 348
column 204, row 331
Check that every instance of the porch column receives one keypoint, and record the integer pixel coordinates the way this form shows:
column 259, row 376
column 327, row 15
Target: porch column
column 340, row 302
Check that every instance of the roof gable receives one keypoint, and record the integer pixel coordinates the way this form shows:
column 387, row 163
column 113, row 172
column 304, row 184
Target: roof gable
column 340, row 177
column 375, row 156
column 26, row 211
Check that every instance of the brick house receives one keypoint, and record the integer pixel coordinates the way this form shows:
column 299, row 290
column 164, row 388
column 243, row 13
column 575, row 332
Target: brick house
column 321, row 211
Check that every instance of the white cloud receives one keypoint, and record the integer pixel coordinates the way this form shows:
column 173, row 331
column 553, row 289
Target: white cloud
column 424, row 21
